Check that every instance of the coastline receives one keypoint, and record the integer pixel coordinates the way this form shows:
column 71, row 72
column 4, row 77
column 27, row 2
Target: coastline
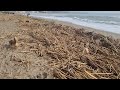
column 89, row 29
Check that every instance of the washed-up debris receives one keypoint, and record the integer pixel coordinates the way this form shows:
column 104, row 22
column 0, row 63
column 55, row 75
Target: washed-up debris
column 69, row 44
column 13, row 42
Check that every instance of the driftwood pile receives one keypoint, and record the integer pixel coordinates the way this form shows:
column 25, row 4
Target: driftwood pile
column 74, row 53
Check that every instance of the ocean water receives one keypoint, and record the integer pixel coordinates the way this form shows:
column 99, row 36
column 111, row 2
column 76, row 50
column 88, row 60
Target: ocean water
column 103, row 20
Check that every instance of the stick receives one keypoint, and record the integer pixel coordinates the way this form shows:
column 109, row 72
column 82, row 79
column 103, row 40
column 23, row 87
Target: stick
column 104, row 78
column 33, row 49
column 114, row 69
column 24, row 51
column 90, row 75
column 102, row 73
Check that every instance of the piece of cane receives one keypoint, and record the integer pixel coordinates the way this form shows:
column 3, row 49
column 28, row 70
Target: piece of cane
column 86, row 51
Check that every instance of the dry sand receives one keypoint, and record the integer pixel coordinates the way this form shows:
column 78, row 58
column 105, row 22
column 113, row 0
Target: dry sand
column 52, row 49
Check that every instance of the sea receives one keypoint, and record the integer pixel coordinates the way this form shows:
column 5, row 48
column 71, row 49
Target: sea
column 102, row 20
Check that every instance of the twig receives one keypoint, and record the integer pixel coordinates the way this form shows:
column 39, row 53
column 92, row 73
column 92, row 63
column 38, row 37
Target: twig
column 104, row 78
column 90, row 75
column 24, row 51
column 114, row 69
column 33, row 49
column 102, row 73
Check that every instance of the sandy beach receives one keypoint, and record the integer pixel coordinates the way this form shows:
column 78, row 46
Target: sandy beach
column 49, row 49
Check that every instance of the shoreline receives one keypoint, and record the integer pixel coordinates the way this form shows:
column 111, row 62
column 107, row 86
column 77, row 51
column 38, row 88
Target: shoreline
column 89, row 29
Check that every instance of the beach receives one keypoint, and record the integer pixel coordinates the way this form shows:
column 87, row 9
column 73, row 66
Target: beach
column 33, row 48
column 106, row 33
